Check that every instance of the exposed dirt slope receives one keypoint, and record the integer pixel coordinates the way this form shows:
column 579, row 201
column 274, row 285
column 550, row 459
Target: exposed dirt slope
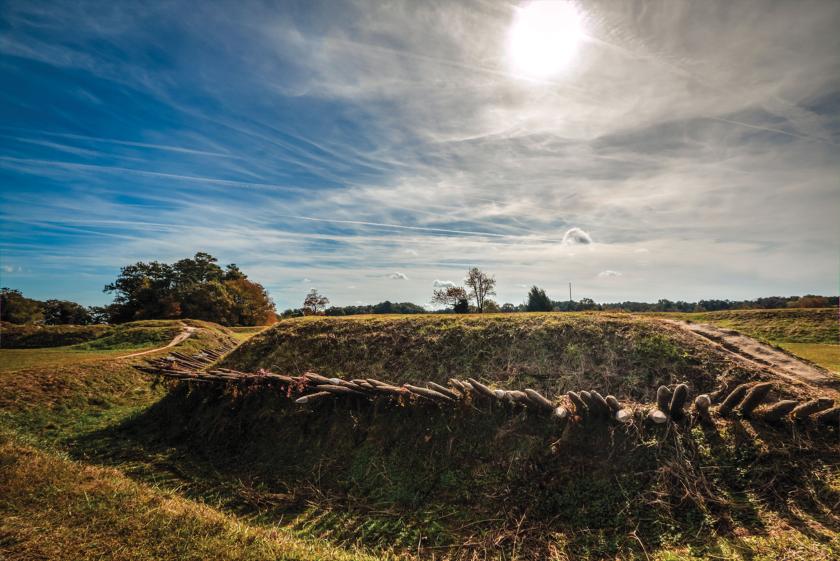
column 185, row 334
column 760, row 355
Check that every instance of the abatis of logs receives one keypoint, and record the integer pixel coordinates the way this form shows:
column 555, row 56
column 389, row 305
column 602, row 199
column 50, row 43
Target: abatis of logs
column 588, row 406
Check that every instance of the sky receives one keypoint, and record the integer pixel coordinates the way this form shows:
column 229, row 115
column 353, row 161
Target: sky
column 375, row 150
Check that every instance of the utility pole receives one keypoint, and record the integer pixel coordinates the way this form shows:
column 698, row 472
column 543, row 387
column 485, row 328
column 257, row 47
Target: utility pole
column 570, row 292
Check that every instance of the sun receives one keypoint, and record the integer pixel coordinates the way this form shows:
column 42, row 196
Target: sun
column 544, row 38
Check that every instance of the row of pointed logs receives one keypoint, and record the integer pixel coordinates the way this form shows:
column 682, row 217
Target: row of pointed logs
column 671, row 404
column 749, row 400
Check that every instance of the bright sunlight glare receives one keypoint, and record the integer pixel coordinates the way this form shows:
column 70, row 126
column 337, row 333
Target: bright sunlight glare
column 544, row 38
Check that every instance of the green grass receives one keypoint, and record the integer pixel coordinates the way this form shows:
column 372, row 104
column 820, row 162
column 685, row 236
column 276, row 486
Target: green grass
column 16, row 359
column 616, row 353
column 827, row 356
column 37, row 336
column 813, row 334
column 54, row 508
column 793, row 325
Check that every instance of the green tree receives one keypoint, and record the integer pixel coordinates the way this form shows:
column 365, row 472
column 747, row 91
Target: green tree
column 538, row 300
column 57, row 312
column 195, row 288
column 17, row 308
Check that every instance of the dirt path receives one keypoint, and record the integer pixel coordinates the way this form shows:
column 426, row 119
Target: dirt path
column 757, row 354
column 180, row 338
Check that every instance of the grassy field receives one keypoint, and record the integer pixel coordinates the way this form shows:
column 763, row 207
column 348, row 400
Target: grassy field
column 98, row 462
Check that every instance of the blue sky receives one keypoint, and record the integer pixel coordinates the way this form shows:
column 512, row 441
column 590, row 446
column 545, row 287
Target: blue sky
column 373, row 150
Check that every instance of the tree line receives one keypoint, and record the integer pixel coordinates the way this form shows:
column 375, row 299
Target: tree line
column 194, row 288
column 198, row 288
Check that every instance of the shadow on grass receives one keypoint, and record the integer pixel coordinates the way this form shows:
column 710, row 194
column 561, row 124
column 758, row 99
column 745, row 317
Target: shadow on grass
column 492, row 483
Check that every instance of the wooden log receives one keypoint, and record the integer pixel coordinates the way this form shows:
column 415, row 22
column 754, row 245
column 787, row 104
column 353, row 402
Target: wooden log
column 811, row 407
column 427, row 393
column 539, row 400
column 581, row 409
column 517, row 396
column 829, row 417
column 657, row 416
column 444, row 390
column 678, row 401
column 777, row 411
column 613, row 403
column 599, row 404
column 312, row 397
column 663, row 398
column 733, row 399
column 316, row 379
column 702, row 403
column 338, row 390
column 481, row 388
column 501, row 395
column 458, row 384
column 754, row 397
column 391, row 390
column 623, row 415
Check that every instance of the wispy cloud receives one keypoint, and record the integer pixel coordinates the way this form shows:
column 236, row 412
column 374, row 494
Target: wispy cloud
column 345, row 144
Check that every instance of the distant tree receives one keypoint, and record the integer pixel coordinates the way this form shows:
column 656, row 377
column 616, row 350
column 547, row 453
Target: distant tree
column 538, row 300
column 809, row 301
column 508, row 308
column 314, row 304
column 251, row 303
column 454, row 296
column 491, row 307
column 482, row 285
column 57, row 312
column 587, row 304
column 195, row 288
column 17, row 308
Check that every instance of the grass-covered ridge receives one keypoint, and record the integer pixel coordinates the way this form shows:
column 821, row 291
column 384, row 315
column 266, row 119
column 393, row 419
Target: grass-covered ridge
column 622, row 354
column 790, row 325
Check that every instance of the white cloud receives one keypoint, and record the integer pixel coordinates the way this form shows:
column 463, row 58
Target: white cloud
column 306, row 280
column 609, row 273
column 398, row 276
column 576, row 236
column 443, row 284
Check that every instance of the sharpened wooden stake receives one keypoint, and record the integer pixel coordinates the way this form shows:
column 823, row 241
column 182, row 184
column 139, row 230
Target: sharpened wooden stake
column 811, row 407
column 777, row 411
column 427, row 393
column 732, row 400
column 678, row 401
column 663, row 398
column 539, row 400
column 481, row 388
column 829, row 417
column 611, row 400
column 755, row 397
column 581, row 409
column 445, row 391
column 602, row 409
column 312, row 397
